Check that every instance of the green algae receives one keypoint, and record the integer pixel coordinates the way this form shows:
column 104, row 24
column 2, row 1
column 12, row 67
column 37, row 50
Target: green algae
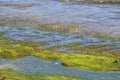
column 104, row 2
column 94, row 1
column 69, row 60
column 13, row 49
column 89, row 62
column 8, row 74
column 97, row 50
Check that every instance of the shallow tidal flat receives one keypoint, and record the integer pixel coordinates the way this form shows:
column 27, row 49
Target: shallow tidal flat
column 60, row 42
column 68, row 58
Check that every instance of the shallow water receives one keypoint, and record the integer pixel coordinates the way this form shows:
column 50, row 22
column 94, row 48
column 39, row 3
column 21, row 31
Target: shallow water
column 90, row 18
column 85, row 18
column 31, row 66
column 52, row 39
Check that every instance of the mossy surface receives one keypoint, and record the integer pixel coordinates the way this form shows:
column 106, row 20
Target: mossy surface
column 7, row 74
column 94, row 1
column 13, row 49
column 90, row 62
column 97, row 50
column 17, row 49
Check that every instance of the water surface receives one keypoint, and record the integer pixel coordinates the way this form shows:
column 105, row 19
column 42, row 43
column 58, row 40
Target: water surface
column 55, row 39
column 90, row 18
column 84, row 18
column 34, row 66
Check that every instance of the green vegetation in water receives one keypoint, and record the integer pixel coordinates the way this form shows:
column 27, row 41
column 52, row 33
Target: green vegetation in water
column 8, row 74
column 94, row 1
column 97, row 50
column 104, row 1
column 17, row 49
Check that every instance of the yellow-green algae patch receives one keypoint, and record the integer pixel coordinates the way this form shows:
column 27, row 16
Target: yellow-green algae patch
column 7, row 74
column 97, row 50
column 94, row 1
column 13, row 49
column 21, row 49
column 90, row 62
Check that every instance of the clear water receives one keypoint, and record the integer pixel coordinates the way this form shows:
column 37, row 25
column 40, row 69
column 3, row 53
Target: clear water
column 57, row 39
column 92, row 18
column 89, row 18
column 31, row 66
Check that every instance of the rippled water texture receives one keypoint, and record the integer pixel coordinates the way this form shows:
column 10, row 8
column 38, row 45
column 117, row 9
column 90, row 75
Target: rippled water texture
column 72, row 20
column 58, row 39
column 32, row 65
column 90, row 18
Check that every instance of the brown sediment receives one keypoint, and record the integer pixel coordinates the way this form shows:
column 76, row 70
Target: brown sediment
column 23, row 5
